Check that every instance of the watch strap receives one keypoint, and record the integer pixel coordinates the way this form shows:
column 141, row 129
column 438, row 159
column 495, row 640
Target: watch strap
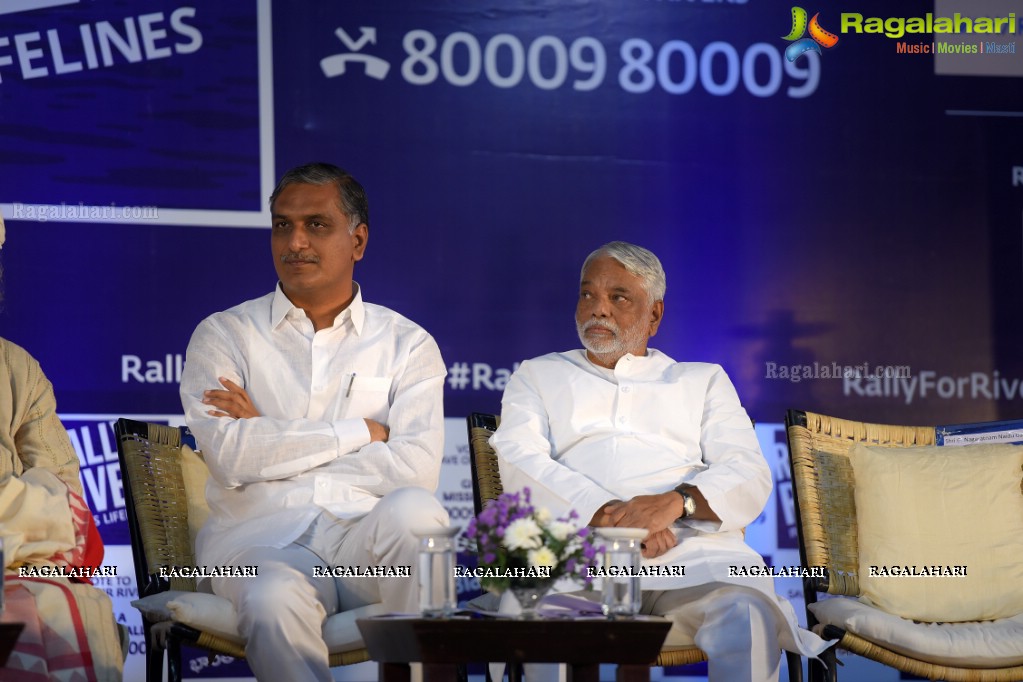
column 688, row 501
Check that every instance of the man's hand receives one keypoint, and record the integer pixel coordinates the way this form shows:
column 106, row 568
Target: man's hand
column 233, row 401
column 656, row 544
column 653, row 512
column 377, row 431
column 601, row 519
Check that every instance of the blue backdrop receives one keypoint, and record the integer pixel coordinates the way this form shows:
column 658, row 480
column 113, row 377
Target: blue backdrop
column 857, row 208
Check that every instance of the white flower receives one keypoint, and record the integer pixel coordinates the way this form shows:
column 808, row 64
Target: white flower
column 542, row 557
column 543, row 516
column 561, row 530
column 522, row 534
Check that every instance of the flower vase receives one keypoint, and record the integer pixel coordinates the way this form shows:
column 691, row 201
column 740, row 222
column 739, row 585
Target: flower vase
column 528, row 594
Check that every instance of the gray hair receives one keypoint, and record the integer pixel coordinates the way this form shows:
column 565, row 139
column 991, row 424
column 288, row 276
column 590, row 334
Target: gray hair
column 638, row 261
column 351, row 195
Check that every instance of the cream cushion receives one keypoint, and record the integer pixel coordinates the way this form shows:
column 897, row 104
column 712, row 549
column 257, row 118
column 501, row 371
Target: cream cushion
column 194, row 472
column 945, row 507
column 216, row 615
column 154, row 607
column 988, row 644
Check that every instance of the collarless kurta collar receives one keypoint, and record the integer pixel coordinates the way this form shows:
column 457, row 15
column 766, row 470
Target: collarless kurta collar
column 629, row 365
column 635, row 365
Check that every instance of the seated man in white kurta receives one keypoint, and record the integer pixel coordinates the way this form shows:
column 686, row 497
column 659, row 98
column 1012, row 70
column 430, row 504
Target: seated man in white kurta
column 628, row 437
column 322, row 423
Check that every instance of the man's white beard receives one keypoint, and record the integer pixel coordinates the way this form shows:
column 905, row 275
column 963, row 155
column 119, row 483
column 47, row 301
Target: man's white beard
column 610, row 350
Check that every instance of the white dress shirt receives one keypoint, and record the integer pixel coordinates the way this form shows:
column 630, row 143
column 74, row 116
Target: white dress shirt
column 310, row 449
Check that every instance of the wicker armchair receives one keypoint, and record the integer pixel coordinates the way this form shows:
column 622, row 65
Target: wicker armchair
column 486, row 486
column 157, row 505
column 828, row 537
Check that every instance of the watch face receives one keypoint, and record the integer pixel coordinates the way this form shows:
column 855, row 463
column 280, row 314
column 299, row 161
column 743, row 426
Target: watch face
column 689, row 504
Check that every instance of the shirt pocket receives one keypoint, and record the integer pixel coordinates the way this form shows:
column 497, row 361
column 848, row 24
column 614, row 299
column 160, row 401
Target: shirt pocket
column 368, row 398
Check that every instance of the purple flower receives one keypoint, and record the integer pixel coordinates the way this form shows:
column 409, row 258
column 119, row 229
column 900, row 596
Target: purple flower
column 488, row 515
column 571, row 549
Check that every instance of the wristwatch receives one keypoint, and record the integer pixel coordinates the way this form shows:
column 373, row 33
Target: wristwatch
column 688, row 502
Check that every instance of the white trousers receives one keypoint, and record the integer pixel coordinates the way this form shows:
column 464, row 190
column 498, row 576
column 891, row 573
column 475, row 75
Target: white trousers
column 281, row 611
column 735, row 626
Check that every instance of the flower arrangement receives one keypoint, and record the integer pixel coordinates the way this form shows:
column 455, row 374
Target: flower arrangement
column 520, row 545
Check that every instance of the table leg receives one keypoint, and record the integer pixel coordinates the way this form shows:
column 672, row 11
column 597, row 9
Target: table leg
column 395, row 672
column 439, row 672
column 589, row 672
column 633, row 673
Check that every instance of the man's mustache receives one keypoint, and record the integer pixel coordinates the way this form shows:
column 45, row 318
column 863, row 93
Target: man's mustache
column 299, row 258
column 605, row 324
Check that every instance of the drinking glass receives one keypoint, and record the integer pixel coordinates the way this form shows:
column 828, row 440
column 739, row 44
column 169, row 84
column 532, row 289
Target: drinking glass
column 437, row 553
column 623, row 559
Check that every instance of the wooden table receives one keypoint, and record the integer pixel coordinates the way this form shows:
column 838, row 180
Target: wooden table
column 441, row 645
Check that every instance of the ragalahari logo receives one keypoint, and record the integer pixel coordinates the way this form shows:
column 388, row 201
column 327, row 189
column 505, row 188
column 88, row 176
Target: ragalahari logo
column 818, row 36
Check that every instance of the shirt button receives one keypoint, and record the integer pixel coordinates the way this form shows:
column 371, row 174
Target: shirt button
column 625, row 389
column 622, row 420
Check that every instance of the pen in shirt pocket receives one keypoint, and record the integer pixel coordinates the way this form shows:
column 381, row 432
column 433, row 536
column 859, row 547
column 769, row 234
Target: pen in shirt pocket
column 348, row 393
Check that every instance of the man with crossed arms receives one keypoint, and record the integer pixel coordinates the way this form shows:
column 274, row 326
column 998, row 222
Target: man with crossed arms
column 321, row 420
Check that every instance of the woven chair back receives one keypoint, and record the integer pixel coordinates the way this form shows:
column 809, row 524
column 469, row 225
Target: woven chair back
column 486, row 477
column 151, row 464
column 825, row 488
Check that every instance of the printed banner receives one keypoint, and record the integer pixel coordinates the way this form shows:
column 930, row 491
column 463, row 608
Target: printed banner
column 836, row 193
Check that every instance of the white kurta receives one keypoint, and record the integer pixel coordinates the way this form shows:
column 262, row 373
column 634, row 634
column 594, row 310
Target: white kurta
column 579, row 435
column 310, row 451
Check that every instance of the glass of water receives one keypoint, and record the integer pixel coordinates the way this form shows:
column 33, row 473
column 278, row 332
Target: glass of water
column 622, row 562
column 437, row 553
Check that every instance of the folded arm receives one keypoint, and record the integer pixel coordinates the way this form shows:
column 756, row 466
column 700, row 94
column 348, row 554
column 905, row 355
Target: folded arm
column 413, row 450
column 233, row 401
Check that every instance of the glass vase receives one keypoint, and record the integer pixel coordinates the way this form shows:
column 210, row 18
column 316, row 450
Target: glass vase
column 529, row 593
